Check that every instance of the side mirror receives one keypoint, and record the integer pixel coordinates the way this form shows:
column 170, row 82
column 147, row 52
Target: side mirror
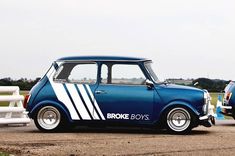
column 149, row 84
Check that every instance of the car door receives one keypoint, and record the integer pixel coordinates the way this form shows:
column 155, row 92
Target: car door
column 122, row 94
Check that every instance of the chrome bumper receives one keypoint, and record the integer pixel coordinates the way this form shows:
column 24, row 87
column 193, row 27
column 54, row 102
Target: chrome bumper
column 227, row 110
column 209, row 114
column 226, row 107
column 209, row 119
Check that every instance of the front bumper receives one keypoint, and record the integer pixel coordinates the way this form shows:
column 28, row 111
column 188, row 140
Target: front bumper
column 227, row 110
column 209, row 119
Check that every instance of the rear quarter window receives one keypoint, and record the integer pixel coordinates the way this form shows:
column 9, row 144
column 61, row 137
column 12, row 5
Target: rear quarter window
column 81, row 73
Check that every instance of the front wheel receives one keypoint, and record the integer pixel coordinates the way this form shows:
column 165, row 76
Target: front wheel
column 179, row 120
column 48, row 119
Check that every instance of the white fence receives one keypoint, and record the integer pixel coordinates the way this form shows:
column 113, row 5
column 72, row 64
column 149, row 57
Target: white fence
column 15, row 112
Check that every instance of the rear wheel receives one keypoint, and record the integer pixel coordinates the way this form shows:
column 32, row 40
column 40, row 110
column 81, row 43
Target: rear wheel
column 48, row 119
column 179, row 120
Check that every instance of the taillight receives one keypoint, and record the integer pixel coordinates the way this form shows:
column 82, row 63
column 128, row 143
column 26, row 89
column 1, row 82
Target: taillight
column 26, row 100
column 228, row 96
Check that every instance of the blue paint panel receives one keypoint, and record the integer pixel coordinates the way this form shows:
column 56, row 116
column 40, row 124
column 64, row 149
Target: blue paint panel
column 188, row 95
column 126, row 100
column 43, row 94
column 231, row 89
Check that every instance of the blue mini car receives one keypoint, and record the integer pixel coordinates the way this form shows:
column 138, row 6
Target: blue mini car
column 123, row 91
column 228, row 107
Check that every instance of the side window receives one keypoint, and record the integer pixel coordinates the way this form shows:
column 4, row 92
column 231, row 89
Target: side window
column 125, row 74
column 77, row 73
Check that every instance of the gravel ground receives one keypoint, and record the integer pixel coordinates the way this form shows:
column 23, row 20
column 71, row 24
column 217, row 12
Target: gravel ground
column 217, row 140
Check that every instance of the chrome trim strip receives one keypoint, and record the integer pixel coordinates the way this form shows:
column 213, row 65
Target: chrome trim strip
column 102, row 60
column 226, row 107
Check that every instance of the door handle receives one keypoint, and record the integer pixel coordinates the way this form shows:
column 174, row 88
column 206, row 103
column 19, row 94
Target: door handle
column 100, row 92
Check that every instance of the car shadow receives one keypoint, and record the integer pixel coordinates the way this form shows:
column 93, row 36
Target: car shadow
column 119, row 130
column 200, row 132
column 226, row 123
column 134, row 131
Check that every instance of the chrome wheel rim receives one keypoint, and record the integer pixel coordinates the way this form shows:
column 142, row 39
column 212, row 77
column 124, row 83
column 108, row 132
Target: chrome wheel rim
column 178, row 119
column 48, row 118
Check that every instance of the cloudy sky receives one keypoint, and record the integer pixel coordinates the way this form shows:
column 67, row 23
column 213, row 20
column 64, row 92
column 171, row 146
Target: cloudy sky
column 184, row 38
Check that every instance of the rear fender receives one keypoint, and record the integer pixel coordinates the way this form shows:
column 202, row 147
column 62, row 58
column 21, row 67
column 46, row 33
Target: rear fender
column 60, row 107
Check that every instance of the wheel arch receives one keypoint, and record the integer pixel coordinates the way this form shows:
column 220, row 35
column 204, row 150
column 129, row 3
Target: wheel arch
column 178, row 104
column 59, row 106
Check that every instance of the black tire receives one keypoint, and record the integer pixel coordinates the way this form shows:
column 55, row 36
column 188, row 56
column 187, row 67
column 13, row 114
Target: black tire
column 179, row 120
column 49, row 119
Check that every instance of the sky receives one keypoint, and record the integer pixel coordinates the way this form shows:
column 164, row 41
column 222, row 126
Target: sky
column 184, row 38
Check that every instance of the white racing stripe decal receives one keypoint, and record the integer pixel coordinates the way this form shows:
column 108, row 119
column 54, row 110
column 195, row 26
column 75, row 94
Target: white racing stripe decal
column 50, row 72
column 58, row 63
column 95, row 102
column 88, row 102
column 78, row 102
column 62, row 95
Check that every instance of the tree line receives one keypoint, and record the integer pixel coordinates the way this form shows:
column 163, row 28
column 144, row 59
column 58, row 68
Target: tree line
column 23, row 83
column 212, row 85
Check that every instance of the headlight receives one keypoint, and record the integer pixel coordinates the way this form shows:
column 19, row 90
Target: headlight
column 204, row 109
column 207, row 99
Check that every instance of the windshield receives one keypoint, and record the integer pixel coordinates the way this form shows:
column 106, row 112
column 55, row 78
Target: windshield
column 148, row 66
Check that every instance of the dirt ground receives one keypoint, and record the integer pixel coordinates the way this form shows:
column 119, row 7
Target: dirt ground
column 217, row 140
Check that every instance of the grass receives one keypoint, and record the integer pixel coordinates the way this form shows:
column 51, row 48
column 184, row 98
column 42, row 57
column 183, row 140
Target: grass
column 7, row 103
column 4, row 154
column 214, row 98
